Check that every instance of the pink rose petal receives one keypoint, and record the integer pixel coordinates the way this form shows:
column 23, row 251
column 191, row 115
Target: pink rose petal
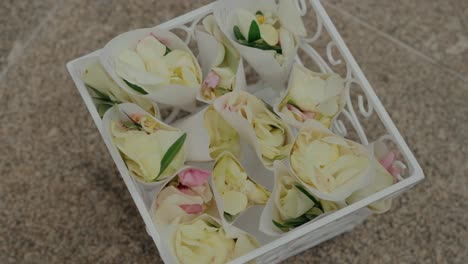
column 396, row 171
column 212, row 80
column 304, row 115
column 388, row 160
column 194, row 177
column 192, row 208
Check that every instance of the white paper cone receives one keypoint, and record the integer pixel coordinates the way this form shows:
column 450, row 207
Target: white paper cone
column 198, row 141
column 209, row 48
column 243, row 126
column 169, row 233
column 172, row 95
column 79, row 68
column 299, row 71
column 262, row 61
column 197, row 144
column 381, row 179
column 346, row 189
column 115, row 113
column 218, row 197
column 271, row 212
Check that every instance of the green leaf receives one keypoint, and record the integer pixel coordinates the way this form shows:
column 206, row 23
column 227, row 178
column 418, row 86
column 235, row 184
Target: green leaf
column 102, row 109
column 238, row 33
column 259, row 13
column 229, row 217
column 167, row 51
column 133, row 122
column 281, row 226
column 171, row 154
column 135, row 87
column 310, row 196
column 262, row 46
column 254, row 32
column 98, row 100
column 98, row 93
column 298, row 221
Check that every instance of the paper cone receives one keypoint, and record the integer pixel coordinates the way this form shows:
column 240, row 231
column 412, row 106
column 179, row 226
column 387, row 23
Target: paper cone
column 216, row 50
column 115, row 92
column 199, row 147
column 243, row 126
column 161, row 224
column 218, row 196
column 169, row 235
column 271, row 211
column 263, row 61
column 300, row 73
column 350, row 186
column 171, row 95
column 116, row 113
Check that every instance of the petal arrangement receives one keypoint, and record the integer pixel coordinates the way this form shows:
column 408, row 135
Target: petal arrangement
column 282, row 159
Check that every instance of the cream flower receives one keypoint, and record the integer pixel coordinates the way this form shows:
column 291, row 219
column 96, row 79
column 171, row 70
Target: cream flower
column 223, row 68
column 205, row 242
column 153, row 65
column 237, row 190
column 272, row 134
column 222, row 136
column 143, row 143
column 107, row 93
column 312, row 96
column 330, row 166
column 274, row 31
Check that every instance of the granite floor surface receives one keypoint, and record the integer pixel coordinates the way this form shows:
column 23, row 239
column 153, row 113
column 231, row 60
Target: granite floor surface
column 62, row 200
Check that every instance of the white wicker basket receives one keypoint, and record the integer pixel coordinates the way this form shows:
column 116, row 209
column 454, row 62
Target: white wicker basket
column 343, row 220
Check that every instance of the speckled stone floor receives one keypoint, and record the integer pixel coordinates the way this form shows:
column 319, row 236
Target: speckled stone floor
column 62, row 200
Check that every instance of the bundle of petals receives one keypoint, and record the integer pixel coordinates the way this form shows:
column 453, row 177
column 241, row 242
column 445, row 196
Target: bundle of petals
column 220, row 61
column 265, row 33
column 153, row 65
column 310, row 95
column 106, row 93
column 256, row 123
column 388, row 170
column 290, row 204
column 185, row 196
column 223, row 137
column 236, row 189
column 151, row 149
column 329, row 166
column 208, row 135
column 205, row 241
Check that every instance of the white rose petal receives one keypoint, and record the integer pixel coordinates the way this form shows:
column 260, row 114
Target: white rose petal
column 234, row 202
column 269, row 34
column 244, row 19
column 150, row 49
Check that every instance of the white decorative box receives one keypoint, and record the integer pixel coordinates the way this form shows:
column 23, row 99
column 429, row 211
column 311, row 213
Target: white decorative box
column 362, row 105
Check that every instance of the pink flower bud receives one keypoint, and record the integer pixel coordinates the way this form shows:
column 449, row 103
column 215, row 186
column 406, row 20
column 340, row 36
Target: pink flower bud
column 194, row 177
column 192, row 208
